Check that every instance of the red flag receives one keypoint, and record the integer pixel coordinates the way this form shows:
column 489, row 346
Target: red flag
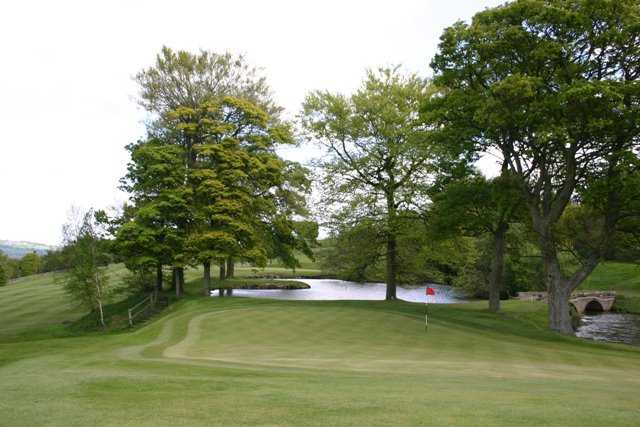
column 430, row 291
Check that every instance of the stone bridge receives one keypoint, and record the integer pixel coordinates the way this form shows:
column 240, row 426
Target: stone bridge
column 581, row 301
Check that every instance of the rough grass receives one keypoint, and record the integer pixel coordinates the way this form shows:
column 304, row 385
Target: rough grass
column 38, row 306
column 241, row 361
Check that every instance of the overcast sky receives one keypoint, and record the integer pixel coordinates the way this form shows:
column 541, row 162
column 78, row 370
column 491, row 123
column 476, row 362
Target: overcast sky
column 67, row 99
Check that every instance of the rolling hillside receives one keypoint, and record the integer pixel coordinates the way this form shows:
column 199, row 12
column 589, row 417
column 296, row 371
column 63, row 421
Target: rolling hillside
column 14, row 249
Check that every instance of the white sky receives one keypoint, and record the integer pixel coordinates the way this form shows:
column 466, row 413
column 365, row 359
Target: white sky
column 67, row 100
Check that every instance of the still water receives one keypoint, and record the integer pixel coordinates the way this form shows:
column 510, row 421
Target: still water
column 330, row 290
column 610, row 327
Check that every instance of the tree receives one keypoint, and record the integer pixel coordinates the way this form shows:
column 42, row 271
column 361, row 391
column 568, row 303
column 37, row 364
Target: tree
column 86, row 281
column 211, row 187
column 216, row 129
column 183, row 80
column 3, row 269
column 551, row 86
column 152, row 232
column 354, row 252
column 378, row 150
column 244, row 195
column 477, row 206
column 55, row 260
column 29, row 264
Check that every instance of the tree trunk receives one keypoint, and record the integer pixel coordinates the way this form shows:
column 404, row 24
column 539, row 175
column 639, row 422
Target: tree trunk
column 179, row 281
column 101, row 314
column 392, row 246
column 559, row 313
column 558, row 288
column 158, row 279
column 391, row 267
column 174, row 278
column 230, row 268
column 497, row 267
column 223, row 270
column 207, row 277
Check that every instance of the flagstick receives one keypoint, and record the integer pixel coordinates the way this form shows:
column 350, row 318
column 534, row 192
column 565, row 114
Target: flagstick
column 426, row 313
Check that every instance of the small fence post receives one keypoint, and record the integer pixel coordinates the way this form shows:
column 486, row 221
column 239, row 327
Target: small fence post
column 130, row 319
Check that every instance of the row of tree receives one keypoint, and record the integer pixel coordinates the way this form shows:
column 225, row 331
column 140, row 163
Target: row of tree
column 206, row 184
column 28, row 265
column 550, row 88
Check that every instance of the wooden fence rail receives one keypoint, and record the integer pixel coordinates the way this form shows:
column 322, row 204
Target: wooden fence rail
column 145, row 304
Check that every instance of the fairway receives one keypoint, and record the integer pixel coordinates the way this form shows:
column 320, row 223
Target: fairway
column 239, row 361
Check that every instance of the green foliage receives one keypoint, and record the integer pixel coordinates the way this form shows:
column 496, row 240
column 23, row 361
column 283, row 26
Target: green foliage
column 29, row 264
column 3, row 275
column 139, row 281
column 212, row 187
column 56, row 260
column 207, row 184
column 553, row 88
column 376, row 143
column 379, row 154
column 4, row 269
column 355, row 252
column 11, row 266
column 153, row 230
column 86, row 281
column 475, row 206
column 184, row 79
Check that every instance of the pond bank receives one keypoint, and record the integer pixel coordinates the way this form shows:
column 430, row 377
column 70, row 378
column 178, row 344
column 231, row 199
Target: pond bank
column 258, row 284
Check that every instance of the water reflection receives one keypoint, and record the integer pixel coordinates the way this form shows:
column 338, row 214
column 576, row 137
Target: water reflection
column 330, row 289
column 610, row 327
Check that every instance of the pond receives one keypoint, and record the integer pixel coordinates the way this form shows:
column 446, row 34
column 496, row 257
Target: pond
column 610, row 327
column 331, row 290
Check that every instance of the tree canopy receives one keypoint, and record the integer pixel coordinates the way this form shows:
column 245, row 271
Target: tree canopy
column 552, row 86
column 378, row 151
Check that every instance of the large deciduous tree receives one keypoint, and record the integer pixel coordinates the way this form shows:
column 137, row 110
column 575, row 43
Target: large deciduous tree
column 152, row 232
column 553, row 87
column 236, row 176
column 378, row 151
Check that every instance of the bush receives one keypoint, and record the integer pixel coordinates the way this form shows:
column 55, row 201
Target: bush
column 3, row 275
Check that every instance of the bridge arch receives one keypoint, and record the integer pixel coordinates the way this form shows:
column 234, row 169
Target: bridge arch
column 593, row 306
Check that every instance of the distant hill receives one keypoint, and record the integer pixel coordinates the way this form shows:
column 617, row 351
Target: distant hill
column 18, row 249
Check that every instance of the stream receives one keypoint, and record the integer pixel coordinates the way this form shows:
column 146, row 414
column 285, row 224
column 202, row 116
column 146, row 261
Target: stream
column 610, row 327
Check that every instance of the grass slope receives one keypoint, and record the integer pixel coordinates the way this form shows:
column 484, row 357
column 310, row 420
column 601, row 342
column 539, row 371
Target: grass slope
column 239, row 361
column 37, row 306
column 621, row 277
